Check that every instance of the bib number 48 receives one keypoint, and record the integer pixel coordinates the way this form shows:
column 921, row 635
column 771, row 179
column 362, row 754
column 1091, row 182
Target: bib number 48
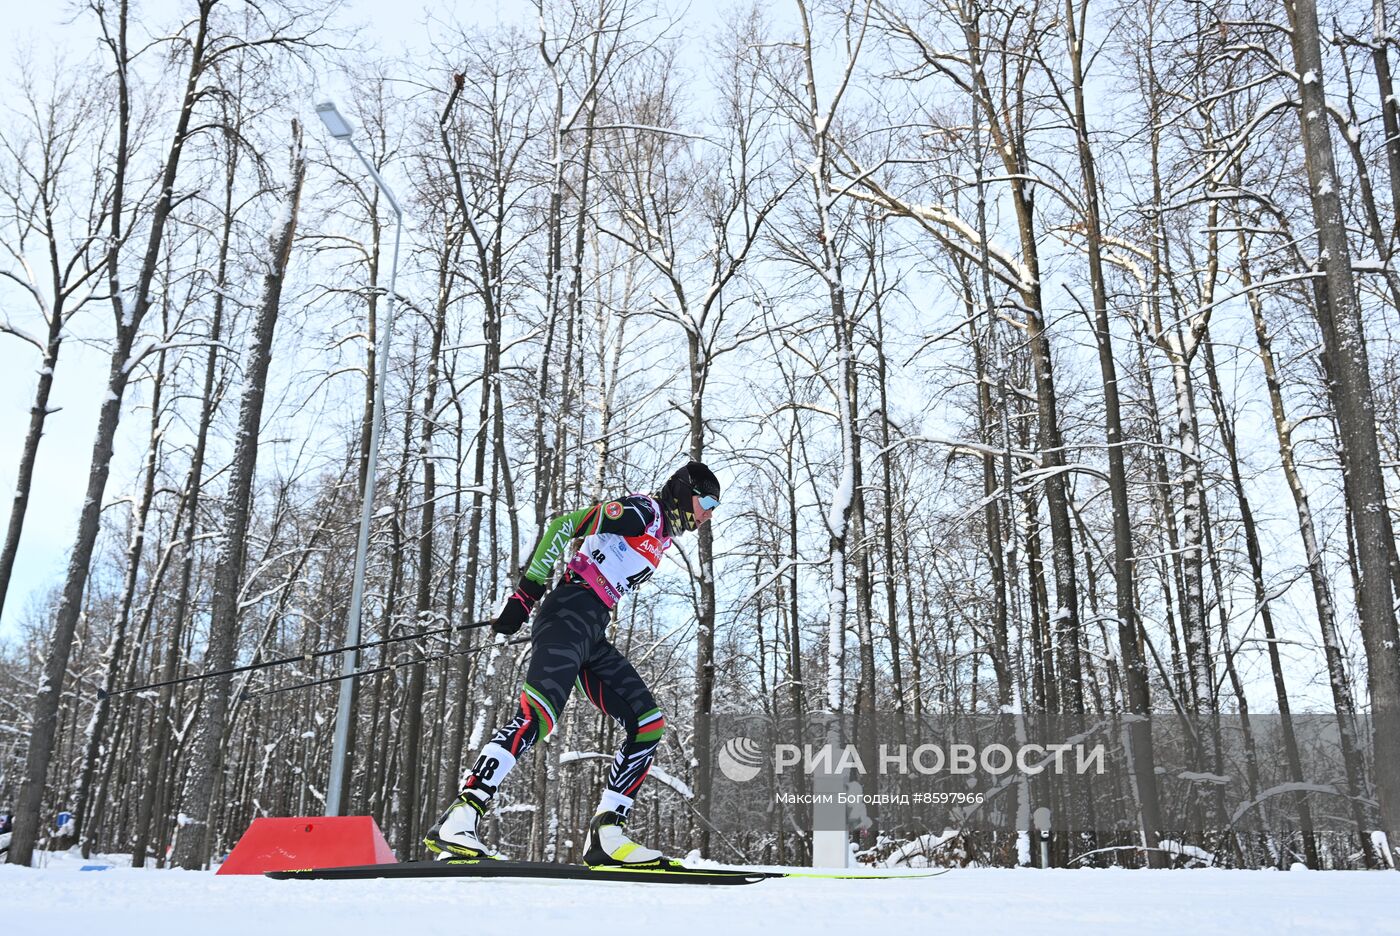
column 633, row 580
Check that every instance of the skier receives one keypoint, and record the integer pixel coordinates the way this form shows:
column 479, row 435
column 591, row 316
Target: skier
column 623, row 541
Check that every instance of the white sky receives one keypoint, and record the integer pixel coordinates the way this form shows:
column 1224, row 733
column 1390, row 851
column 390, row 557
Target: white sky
column 43, row 32
column 49, row 31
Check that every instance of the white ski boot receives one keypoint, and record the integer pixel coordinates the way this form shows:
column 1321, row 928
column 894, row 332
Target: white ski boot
column 454, row 835
column 608, row 845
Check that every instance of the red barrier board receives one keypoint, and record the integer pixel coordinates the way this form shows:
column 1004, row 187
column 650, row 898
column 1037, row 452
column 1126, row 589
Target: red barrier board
column 293, row 843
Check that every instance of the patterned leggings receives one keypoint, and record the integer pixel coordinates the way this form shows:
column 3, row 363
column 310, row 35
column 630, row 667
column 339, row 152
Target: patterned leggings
column 569, row 647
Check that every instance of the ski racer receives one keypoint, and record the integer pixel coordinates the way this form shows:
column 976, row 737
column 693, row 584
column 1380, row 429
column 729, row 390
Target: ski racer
column 622, row 544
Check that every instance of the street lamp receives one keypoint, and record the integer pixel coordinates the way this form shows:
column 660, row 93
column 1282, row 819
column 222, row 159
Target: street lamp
column 340, row 128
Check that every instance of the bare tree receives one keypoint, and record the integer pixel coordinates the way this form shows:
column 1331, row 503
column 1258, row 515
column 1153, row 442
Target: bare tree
column 696, row 220
column 1350, row 384
column 43, row 191
column 1137, row 698
column 207, row 754
column 129, row 311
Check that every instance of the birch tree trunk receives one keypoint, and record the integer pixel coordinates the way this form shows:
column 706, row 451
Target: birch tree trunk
column 1390, row 108
column 207, row 751
column 1344, row 705
column 413, row 703
column 1137, row 695
column 1350, row 385
column 1262, row 604
column 828, row 266
column 190, row 501
column 114, row 659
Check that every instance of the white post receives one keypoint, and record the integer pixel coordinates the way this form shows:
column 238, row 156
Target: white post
column 1042, row 822
column 831, row 847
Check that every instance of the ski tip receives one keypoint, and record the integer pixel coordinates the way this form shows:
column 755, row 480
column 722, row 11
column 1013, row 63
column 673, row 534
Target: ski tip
column 901, row 874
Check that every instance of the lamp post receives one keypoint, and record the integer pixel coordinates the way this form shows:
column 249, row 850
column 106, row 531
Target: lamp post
column 340, row 128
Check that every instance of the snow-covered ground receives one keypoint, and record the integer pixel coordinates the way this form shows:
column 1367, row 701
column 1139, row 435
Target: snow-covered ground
column 63, row 899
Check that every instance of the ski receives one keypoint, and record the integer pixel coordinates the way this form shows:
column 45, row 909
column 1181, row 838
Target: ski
column 674, row 873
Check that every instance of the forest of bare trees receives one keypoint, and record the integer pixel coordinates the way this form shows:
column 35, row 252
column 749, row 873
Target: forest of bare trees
column 1048, row 353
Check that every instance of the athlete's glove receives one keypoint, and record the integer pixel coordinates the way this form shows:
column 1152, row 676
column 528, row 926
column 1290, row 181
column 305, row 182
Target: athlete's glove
column 518, row 607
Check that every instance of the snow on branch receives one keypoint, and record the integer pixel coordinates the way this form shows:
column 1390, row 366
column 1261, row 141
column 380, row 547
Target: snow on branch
column 951, row 230
column 7, row 328
column 645, row 128
column 1283, row 788
column 1263, row 284
column 1233, row 146
column 150, row 346
column 962, row 445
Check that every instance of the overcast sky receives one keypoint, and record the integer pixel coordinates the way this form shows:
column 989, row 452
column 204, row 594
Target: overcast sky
column 46, row 32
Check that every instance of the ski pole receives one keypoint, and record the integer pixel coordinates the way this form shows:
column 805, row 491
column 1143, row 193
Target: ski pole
column 245, row 695
column 301, row 658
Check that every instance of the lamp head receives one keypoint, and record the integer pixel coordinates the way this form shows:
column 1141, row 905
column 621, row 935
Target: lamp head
column 338, row 126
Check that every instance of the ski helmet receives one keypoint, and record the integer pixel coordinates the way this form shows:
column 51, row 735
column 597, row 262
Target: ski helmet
column 693, row 480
